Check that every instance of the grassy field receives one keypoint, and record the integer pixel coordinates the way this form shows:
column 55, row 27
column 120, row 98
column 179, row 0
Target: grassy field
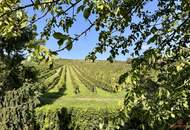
column 76, row 83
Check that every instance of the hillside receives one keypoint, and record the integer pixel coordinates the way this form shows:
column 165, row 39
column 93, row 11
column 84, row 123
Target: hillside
column 77, row 84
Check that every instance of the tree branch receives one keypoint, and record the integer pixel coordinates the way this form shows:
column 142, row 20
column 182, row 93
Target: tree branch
column 77, row 37
column 84, row 32
column 72, row 5
column 27, row 6
column 174, row 32
column 32, row 1
column 41, row 17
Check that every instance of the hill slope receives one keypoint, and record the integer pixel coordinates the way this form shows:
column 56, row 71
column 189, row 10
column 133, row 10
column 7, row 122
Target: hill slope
column 82, row 85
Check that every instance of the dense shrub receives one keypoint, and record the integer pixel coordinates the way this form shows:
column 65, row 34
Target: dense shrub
column 158, row 93
column 19, row 96
column 78, row 119
column 17, row 107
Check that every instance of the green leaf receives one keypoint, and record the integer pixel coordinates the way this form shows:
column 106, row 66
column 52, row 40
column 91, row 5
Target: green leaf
column 58, row 35
column 60, row 42
column 19, row 14
column 53, row 53
column 172, row 115
column 69, row 44
column 36, row 4
column 185, row 104
column 151, row 40
column 23, row 24
column 100, row 7
column 87, row 13
column 80, row 8
column 153, row 30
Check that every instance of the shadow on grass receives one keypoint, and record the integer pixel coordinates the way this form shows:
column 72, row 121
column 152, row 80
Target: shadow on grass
column 50, row 97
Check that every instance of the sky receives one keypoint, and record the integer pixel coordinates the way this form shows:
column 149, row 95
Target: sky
column 85, row 44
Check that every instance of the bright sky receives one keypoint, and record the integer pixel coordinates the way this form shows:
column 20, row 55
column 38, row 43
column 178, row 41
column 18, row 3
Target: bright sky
column 86, row 43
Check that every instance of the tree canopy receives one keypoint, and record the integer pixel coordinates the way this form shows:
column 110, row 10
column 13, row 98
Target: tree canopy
column 167, row 24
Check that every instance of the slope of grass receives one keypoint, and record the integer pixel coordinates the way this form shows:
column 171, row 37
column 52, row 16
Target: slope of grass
column 81, row 95
column 78, row 80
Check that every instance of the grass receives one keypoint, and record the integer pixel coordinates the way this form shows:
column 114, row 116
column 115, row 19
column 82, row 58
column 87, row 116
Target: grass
column 96, row 103
column 55, row 99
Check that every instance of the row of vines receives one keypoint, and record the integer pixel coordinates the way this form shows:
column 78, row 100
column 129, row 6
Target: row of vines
column 78, row 78
column 92, row 75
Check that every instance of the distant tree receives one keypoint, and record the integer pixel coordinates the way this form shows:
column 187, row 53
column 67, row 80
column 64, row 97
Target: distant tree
column 91, row 57
column 129, row 61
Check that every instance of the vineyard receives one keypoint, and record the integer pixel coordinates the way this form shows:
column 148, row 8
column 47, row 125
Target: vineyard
column 81, row 91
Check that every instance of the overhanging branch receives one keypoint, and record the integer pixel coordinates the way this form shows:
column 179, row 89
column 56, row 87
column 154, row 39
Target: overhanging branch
column 77, row 37
column 27, row 6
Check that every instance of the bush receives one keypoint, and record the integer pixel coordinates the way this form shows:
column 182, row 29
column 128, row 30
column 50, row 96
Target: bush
column 78, row 119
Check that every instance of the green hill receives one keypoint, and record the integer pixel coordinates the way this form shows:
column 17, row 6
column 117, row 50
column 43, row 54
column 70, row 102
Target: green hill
column 80, row 85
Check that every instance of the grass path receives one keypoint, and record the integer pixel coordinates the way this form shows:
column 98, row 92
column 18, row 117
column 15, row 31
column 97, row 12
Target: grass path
column 91, row 99
column 69, row 87
column 84, row 102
